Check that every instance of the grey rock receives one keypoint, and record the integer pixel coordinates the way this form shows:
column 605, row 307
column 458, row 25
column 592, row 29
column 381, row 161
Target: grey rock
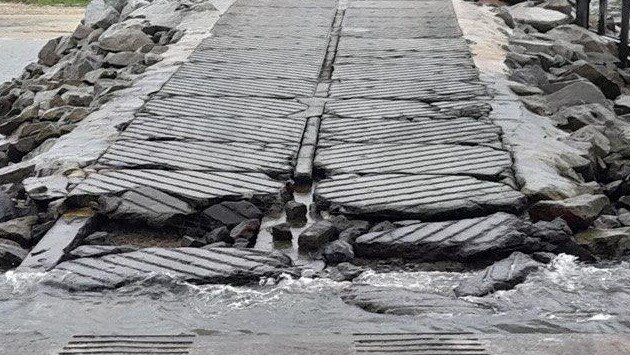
column 539, row 18
column 532, row 75
column 109, row 17
column 15, row 173
column 220, row 234
column 600, row 143
column 505, row 15
column 606, row 242
column 383, row 226
column 624, row 217
column 579, row 212
column 93, row 251
column 502, row 275
column 82, row 31
column 231, row 213
column 152, row 58
column 316, row 236
column 82, row 64
column 608, row 86
column 282, row 232
column 104, row 87
column 338, row 251
column 228, row 266
column 467, row 239
column 342, row 272
column 578, row 35
column 576, row 94
column 123, row 59
column 18, row 230
column 245, row 233
column 399, row 301
column 120, row 38
column 543, row 257
column 575, row 117
column 94, row 36
column 351, row 234
column 130, row 6
column 81, row 98
column 622, row 105
column 518, row 60
column 295, row 211
column 146, row 205
column 11, row 254
column 188, row 241
column 524, row 90
column 563, row 6
column 66, row 45
column 101, row 73
column 607, row 222
column 46, row 188
column 47, row 55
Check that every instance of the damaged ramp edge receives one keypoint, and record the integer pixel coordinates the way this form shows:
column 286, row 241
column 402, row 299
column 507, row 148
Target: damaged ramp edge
column 58, row 241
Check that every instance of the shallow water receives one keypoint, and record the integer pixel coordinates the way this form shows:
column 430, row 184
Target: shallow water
column 565, row 297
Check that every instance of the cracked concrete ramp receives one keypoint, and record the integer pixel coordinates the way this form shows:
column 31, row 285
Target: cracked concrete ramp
column 195, row 265
column 405, row 131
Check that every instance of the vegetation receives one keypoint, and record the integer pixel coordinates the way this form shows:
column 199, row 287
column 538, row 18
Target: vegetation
column 51, row 2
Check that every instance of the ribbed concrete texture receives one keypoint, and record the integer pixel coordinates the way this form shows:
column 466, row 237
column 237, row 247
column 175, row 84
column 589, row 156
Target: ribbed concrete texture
column 230, row 121
column 405, row 132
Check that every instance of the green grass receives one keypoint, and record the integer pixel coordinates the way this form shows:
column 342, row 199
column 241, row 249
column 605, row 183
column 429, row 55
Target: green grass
column 81, row 3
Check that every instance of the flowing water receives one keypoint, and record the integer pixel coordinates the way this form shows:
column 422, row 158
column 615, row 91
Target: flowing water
column 565, row 297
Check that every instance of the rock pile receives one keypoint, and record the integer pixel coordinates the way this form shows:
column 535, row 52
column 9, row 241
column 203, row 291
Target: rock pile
column 74, row 76
column 572, row 77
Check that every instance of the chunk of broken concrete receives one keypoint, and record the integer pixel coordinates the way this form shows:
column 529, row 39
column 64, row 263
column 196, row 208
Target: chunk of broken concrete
column 539, row 18
column 282, row 232
column 502, row 275
column 338, row 251
column 11, row 254
column 579, row 93
column 18, row 230
column 93, row 251
column 245, row 233
column 230, row 213
column 315, row 236
column 145, row 204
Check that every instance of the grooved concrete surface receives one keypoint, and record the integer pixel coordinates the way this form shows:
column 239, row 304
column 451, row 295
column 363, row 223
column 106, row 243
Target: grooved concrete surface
column 405, row 132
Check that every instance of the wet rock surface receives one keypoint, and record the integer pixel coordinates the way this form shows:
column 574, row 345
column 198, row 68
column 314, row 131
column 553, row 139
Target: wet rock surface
column 502, row 275
column 408, row 302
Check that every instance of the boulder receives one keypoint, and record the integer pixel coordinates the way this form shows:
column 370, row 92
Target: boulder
column 82, row 31
column 124, row 59
column 108, row 17
column 622, row 105
column 317, row 235
column 295, row 211
column 83, row 63
column 607, row 222
column 606, row 242
column 11, row 254
column 575, row 117
column 338, row 251
column 123, row 38
column 590, row 41
column 230, row 213
column 524, row 90
column 343, row 272
column 579, row 212
column 81, row 97
column 18, row 230
column 145, row 204
column 532, row 75
column 579, row 93
column 47, row 55
column 502, row 275
column 245, row 233
column 563, row 6
column 220, row 234
column 541, row 19
column 7, row 206
column 281, row 232
column 590, row 134
column 597, row 76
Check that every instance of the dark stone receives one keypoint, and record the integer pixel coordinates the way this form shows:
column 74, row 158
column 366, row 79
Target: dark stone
column 245, row 233
column 315, row 236
column 579, row 93
column 296, row 212
column 502, row 275
column 11, row 254
column 343, row 272
column 220, row 234
column 400, row 301
column 337, row 252
column 231, row 213
column 609, row 88
column 282, row 232
column 18, row 230
column 609, row 243
column 7, row 207
column 543, row 257
column 98, row 238
column 48, row 55
column 188, row 241
column 351, row 234
column 532, row 75
column 607, row 222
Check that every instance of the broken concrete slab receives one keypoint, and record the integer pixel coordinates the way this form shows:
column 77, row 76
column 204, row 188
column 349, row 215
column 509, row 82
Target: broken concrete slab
column 231, row 213
column 199, row 266
column 466, row 239
column 59, row 241
column 502, row 275
column 93, row 251
column 415, row 196
column 579, row 212
column 146, row 205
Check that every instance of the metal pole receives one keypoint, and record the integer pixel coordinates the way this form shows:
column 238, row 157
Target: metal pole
column 581, row 13
column 601, row 24
column 623, row 36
